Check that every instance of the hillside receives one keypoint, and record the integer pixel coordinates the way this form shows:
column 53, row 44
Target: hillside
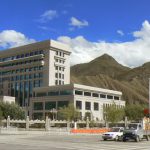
column 104, row 64
column 106, row 72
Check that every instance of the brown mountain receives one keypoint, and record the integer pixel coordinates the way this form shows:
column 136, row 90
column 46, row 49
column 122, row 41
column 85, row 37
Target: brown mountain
column 106, row 72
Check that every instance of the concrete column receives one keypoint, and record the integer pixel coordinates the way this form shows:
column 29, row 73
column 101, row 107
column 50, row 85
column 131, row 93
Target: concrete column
column 8, row 122
column 27, row 123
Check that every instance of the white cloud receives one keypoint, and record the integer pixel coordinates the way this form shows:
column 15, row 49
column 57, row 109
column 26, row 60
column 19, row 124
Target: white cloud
column 12, row 38
column 48, row 15
column 120, row 32
column 77, row 23
column 131, row 53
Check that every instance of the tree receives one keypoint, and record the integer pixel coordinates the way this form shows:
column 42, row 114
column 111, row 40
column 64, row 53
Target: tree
column 113, row 113
column 68, row 113
column 12, row 110
column 134, row 112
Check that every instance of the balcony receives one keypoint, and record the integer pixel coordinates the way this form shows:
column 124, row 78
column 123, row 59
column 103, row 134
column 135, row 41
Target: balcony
column 22, row 59
column 39, row 63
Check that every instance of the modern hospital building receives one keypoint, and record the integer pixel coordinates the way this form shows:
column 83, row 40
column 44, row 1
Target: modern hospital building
column 38, row 76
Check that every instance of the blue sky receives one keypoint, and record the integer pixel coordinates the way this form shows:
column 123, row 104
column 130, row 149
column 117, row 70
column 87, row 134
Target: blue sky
column 76, row 21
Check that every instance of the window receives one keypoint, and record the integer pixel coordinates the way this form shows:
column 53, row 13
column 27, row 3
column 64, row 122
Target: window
column 59, row 75
column 78, row 92
column 38, row 106
column 56, row 67
column 109, row 96
column 50, row 105
column 40, row 75
column 66, row 92
column 102, row 96
column 59, row 82
column 87, row 94
column 36, row 83
column 56, row 82
column 53, row 93
column 56, row 75
column 62, row 76
column 41, row 94
column 116, row 97
column 62, row 104
column 78, row 104
column 96, row 106
column 95, row 94
column 87, row 106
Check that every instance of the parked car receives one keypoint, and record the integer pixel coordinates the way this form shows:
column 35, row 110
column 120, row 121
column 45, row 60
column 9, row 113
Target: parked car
column 115, row 133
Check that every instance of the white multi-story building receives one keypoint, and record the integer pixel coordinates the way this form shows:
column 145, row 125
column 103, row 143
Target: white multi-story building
column 87, row 99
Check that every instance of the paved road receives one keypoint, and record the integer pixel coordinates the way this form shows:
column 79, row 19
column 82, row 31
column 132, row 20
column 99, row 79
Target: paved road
column 66, row 142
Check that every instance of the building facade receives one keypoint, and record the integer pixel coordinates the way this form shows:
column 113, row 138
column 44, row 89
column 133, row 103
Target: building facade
column 90, row 101
column 38, row 76
column 39, row 64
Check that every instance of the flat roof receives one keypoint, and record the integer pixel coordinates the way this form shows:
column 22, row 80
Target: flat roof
column 47, row 44
column 77, row 86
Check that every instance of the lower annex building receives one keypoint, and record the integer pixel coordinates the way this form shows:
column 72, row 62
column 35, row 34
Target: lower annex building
column 90, row 101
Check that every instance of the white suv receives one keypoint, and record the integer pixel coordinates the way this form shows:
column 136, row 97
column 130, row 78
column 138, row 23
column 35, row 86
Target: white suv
column 115, row 133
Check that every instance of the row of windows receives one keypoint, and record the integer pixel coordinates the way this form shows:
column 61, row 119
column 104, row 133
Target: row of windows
column 59, row 82
column 59, row 60
column 22, row 70
column 58, row 53
column 22, row 63
column 22, row 77
column 49, row 105
column 77, row 92
column 21, row 56
column 87, row 105
column 59, row 75
column 59, row 68
column 70, row 92
column 55, row 93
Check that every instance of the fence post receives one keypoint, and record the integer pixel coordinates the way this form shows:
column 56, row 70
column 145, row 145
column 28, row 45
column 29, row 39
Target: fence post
column 27, row 123
column 47, row 123
column 75, row 125
column 8, row 122
column 68, row 125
